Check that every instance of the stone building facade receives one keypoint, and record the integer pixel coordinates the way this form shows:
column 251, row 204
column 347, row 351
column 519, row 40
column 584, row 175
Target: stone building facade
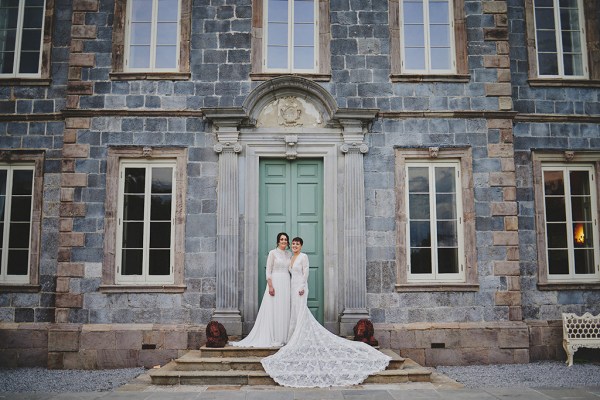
column 476, row 150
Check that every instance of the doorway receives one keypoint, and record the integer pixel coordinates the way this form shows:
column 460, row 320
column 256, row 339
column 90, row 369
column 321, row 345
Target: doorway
column 291, row 201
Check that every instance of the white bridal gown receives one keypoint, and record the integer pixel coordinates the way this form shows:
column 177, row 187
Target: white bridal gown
column 315, row 357
column 272, row 321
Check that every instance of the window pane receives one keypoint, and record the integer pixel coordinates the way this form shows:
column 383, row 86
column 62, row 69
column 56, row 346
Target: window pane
column 133, row 207
column 420, row 234
column 18, row 237
column 20, row 209
column 278, row 34
column 133, row 235
column 418, row 179
column 29, row 62
column 584, row 261
column 445, row 206
column 579, row 182
column 278, row 10
column 3, row 175
column 446, row 234
column 573, row 64
column 7, row 61
column 438, row 12
column 414, row 36
column 9, row 15
column 555, row 209
column 412, row 12
column 304, row 58
column 140, row 33
column 548, row 64
column 557, row 236
column 168, row 10
column 277, row 57
column 304, row 11
column 440, row 58
column 571, row 42
column 166, row 57
column 544, row 18
column 581, row 208
column 418, row 206
column 22, row 182
column 448, row 261
column 445, row 180
column 34, row 3
column 132, row 262
column 160, row 208
column 569, row 19
column 166, row 33
column 583, row 235
column 440, row 35
column 141, row 10
column 18, row 262
column 415, row 58
column 304, row 35
column 554, row 183
column 135, row 180
column 558, row 262
column 162, row 180
column 160, row 262
column 546, row 42
column 420, row 261
column 2, row 207
column 33, row 17
column 160, row 235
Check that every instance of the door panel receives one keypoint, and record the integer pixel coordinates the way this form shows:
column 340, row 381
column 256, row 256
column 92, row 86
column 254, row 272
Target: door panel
column 291, row 201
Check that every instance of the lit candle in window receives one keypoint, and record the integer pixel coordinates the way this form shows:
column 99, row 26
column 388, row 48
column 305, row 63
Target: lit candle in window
column 578, row 234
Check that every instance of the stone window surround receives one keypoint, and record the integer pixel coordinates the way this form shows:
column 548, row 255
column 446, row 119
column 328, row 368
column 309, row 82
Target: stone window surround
column 45, row 67
column 538, row 159
column 464, row 155
column 118, row 47
column 115, row 155
column 323, row 72
column 592, row 29
column 460, row 46
column 37, row 158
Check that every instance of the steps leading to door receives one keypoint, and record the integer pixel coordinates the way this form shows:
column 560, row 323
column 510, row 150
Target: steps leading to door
column 241, row 366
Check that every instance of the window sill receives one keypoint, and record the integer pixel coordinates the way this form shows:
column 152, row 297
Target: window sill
column 430, row 78
column 263, row 76
column 556, row 82
column 568, row 286
column 142, row 288
column 150, row 76
column 437, row 287
column 14, row 287
column 25, row 82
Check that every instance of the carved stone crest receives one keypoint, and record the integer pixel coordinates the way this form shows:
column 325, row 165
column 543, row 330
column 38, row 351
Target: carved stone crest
column 289, row 111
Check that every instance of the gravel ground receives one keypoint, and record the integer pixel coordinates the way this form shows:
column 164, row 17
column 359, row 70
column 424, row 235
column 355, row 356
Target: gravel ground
column 536, row 374
column 45, row 380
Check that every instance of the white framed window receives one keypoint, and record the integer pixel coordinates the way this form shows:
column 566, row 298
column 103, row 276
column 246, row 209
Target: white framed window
column 21, row 34
column 291, row 35
column 146, row 222
column 434, row 229
column 560, row 38
column 16, row 210
column 571, row 222
column 427, row 36
column 152, row 35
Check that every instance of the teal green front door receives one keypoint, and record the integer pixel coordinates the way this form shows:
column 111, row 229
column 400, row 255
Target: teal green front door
column 291, row 201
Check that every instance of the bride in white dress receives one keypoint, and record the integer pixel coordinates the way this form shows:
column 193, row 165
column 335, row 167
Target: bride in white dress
column 272, row 322
column 313, row 356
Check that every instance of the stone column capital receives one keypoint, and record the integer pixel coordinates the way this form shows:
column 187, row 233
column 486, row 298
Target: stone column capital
column 354, row 147
column 228, row 147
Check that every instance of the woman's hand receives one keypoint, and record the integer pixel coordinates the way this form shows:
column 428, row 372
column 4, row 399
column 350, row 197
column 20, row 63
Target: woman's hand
column 271, row 290
column 301, row 292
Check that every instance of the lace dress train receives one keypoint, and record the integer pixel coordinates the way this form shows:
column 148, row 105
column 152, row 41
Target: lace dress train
column 315, row 357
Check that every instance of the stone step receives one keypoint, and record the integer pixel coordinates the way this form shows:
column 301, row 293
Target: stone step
column 169, row 375
column 236, row 352
column 195, row 361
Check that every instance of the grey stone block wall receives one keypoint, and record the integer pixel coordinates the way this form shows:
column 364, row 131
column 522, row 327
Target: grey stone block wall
column 575, row 101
